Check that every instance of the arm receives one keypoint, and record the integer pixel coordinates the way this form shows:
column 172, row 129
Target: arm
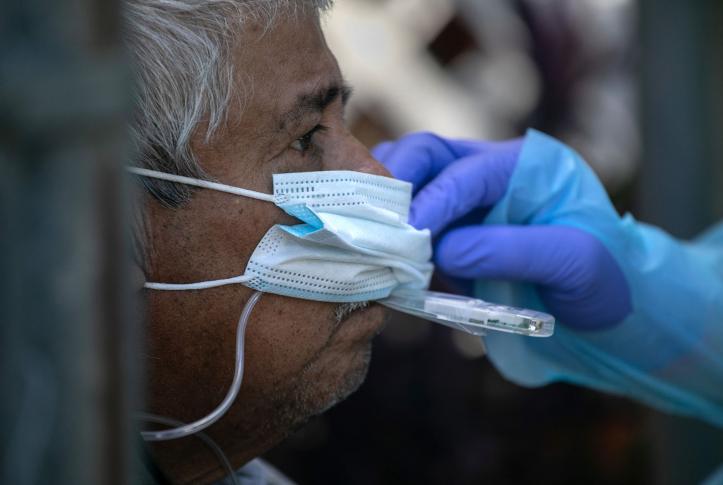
column 642, row 312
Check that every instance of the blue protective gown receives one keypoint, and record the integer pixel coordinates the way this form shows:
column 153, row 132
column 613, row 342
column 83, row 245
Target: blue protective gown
column 669, row 352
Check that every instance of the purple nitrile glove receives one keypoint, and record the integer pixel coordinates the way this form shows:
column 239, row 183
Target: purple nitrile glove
column 456, row 181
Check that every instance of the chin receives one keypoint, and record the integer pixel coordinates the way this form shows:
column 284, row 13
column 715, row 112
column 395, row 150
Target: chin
column 323, row 397
column 320, row 388
column 325, row 381
column 335, row 377
column 336, row 372
column 352, row 381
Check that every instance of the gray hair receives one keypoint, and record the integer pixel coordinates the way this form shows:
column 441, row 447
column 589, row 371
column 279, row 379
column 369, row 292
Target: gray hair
column 184, row 78
column 180, row 50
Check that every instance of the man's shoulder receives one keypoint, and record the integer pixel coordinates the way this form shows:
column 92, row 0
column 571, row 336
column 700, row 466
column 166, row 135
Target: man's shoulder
column 257, row 472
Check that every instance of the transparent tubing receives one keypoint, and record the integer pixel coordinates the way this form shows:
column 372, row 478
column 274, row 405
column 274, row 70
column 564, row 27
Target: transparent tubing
column 212, row 445
column 215, row 415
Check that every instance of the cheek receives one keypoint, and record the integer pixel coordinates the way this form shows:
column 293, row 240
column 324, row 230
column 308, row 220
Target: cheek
column 236, row 231
column 212, row 238
column 283, row 337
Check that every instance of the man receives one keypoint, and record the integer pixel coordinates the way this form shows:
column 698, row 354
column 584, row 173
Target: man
column 236, row 91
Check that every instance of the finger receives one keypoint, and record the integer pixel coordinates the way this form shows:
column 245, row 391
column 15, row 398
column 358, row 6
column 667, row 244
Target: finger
column 416, row 158
column 476, row 181
column 579, row 280
column 520, row 253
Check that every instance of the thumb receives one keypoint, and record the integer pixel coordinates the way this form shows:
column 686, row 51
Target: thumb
column 535, row 254
column 578, row 279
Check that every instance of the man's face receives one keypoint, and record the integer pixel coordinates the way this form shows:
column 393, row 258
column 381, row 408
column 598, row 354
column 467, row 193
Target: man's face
column 299, row 358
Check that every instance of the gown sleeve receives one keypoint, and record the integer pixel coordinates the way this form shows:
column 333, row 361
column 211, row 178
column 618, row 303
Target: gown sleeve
column 668, row 352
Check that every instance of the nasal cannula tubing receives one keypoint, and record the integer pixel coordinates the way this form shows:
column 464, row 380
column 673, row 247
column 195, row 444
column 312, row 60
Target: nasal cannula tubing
column 215, row 415
column 212, row 445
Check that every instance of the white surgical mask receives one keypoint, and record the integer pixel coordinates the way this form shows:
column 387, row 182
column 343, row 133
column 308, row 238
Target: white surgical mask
column 354, row 244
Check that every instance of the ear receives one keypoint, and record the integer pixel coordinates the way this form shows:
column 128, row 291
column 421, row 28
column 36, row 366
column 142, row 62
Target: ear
column 138, row 278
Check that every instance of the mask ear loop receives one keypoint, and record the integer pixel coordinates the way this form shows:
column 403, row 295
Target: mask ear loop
column 203, row 285
column 215, row 415
column 205, row 184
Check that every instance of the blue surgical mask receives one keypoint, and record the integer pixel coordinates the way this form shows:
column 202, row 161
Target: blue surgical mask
column 354, row 243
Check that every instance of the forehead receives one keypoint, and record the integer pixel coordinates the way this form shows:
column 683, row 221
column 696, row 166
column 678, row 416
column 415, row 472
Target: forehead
column 275, row 66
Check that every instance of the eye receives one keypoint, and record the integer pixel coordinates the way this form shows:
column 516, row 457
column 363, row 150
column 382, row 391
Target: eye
column 306, row 142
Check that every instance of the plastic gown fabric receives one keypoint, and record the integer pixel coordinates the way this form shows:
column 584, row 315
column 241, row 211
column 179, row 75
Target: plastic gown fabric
column 668, row 352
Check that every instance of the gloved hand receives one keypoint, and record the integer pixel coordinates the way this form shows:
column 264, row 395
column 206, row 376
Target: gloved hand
column 539, row 214
column 456, row 182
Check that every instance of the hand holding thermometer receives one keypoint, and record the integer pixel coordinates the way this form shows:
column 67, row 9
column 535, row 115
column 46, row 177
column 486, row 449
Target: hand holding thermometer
column 469, row 314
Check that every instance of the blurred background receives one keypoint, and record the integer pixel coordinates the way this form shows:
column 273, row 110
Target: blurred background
column 633, row 85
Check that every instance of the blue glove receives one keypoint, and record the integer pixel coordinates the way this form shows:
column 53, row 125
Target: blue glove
column 457, row 182
column 651, row 306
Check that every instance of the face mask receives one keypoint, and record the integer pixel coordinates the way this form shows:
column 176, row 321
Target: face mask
column 354, row 243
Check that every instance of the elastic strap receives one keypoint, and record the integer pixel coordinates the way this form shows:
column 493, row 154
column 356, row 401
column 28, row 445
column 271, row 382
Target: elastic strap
column 197, row 286
column 229, row 189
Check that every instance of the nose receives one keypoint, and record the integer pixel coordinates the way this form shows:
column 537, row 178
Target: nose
column 351, row 154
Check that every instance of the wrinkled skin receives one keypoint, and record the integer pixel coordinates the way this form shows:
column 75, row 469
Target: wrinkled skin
column 299, row 359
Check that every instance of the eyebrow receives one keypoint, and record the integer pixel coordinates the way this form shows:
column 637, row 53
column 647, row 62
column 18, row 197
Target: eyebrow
column 316, row 102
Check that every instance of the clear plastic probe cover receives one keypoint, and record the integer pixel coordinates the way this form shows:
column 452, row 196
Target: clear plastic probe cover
column 470, row 314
